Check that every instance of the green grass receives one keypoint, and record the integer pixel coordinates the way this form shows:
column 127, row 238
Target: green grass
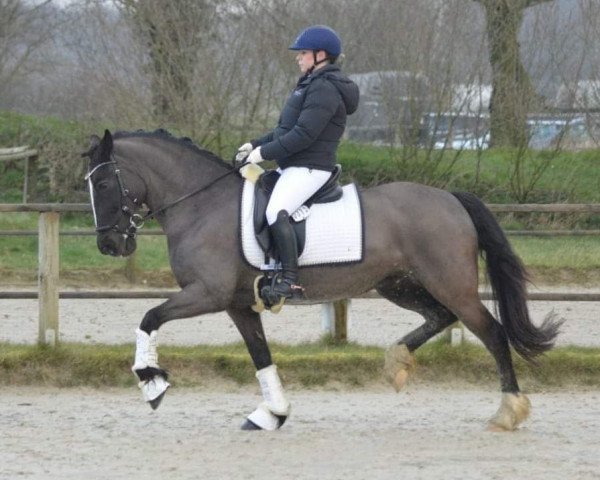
column 570, row 176
column 579, row 253
column 309, row 365
column 79, row 253
column 579, row 256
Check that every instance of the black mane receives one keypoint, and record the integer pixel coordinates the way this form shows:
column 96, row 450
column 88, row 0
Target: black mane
column 186, row 142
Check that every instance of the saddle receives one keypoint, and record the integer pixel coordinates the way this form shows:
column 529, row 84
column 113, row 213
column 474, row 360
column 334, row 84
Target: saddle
column 331, row 191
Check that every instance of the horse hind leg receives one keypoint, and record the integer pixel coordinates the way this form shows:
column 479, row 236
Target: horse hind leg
column 515, row 406
column 406, row 293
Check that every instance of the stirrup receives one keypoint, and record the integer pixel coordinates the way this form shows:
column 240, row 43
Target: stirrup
column 275, row 297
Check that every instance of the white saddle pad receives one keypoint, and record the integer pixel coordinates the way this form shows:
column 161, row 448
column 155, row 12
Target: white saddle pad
column 334, row 231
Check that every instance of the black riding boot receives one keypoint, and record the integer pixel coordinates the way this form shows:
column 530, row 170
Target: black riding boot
column 285, row 285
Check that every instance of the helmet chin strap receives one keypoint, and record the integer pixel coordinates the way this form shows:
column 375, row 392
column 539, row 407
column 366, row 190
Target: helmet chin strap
column 317, row 62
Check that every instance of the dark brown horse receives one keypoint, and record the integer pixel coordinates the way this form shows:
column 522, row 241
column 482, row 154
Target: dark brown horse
column 421, row 249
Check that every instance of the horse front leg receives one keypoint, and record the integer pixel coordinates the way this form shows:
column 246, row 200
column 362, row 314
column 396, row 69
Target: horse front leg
column 152, row 379
column 190, row 301
column 273, row 411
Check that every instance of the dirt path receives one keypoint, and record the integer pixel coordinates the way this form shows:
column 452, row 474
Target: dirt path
column 426, row 432
column 372, row 322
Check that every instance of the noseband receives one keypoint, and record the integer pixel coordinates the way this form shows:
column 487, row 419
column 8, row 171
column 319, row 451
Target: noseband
column 136, row 221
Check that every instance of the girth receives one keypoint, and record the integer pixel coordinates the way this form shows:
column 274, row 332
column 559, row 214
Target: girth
column 329, row 192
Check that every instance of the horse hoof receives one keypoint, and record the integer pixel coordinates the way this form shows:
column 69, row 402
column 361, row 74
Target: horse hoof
column 281, row 419
column 264, row 419
column 514, row 410
column 154, row 404
column 153, row 391
column 249, row 425
column 399, row 362
column 399, row 380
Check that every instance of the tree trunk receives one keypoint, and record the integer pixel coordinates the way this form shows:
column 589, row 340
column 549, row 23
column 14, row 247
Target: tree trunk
column 513, row 95
column 174, row 33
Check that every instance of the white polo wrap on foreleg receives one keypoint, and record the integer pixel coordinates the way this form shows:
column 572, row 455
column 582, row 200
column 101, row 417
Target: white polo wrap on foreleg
column 274, row 404
column 272, row 391
column 146, row 353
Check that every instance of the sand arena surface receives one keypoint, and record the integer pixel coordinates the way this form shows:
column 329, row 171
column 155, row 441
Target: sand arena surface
column 425, row 432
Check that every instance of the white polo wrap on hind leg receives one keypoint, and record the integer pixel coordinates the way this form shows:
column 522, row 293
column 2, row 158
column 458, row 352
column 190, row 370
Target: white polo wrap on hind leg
column 146, row 355
column 274, row 402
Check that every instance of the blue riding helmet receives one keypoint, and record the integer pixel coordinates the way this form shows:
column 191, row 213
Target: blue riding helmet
column 318, row 37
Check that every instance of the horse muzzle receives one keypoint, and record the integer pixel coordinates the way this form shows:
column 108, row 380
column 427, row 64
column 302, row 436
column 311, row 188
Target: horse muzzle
column 115, row 244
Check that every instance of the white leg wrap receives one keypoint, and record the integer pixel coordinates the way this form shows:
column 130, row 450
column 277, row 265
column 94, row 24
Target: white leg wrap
column 272, row 391
column 146, row 354
column 263, row 418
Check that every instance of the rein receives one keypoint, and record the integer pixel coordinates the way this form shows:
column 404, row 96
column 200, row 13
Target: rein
column 191, row 194
column 136, row 221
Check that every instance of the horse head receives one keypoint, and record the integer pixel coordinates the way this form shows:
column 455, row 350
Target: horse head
column 113, row 205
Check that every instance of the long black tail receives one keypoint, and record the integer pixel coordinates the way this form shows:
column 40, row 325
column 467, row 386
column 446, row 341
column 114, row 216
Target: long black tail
column 508, row 279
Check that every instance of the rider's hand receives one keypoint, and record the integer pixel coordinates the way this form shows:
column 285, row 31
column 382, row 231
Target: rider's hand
column 243, row 152
column 255, row 156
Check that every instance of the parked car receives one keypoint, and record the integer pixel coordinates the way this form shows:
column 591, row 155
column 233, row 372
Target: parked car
column 460, row 132
column 566, row 133
column 457, row 131
column 464, row 142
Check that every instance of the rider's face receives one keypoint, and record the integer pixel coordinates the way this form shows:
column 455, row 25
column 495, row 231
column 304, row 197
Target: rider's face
column 306, row 60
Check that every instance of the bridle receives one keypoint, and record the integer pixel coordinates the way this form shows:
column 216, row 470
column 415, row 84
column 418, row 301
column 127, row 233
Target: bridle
column 136, row 221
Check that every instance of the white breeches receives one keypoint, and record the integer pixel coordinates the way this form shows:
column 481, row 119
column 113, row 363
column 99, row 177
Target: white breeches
column 294, row 187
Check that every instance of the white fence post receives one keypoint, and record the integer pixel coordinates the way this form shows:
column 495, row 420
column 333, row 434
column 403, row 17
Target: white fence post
column 48, row 260
column 456, row 336
column 334, row 319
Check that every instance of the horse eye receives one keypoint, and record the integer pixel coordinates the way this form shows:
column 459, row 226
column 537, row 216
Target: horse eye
column 101, row 186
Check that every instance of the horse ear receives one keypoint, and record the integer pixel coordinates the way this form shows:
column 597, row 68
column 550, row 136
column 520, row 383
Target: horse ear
column 107, row 141
column 94, row 142
column 106, row 146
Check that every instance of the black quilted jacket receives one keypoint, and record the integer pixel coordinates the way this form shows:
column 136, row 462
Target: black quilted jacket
column 312, row 121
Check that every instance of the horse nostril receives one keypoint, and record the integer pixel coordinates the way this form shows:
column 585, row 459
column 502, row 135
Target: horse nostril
column 109, row 251
column 107, row 247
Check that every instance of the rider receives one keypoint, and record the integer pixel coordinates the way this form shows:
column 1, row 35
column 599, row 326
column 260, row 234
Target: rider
column 305, row 141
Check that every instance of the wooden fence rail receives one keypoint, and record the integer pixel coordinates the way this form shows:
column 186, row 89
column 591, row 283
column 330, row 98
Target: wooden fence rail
column 48, row 292
column 30, row 159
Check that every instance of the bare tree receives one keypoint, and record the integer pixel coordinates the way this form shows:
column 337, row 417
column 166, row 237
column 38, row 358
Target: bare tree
column 175, row 33
column 24, row 28
column 512, row 92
